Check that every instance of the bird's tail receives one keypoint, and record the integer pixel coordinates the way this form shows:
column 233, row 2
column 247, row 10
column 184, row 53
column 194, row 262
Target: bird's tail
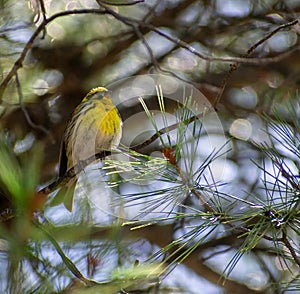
column 65, row 195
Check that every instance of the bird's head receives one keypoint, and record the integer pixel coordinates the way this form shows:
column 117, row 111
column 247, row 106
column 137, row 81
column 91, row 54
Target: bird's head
column 97, row 93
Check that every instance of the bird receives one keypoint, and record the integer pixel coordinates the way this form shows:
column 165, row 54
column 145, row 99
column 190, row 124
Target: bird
column 95, row 126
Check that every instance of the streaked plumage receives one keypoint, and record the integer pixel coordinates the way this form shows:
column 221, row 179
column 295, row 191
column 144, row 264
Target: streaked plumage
column 95, row 126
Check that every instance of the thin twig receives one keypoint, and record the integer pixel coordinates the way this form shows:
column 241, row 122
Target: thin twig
column 101, row 155
column 184, row 45
column 130, row 21
column 19, row 62
column 67, row 261
column 24, row 110
column 121, row 3
column 244, row 59
column 287, row 176
column 43, row 9
column 153, row 59
column 164, row 131
column 289, row 246
column 234, row 67
column 73, row 171
column 42, row 5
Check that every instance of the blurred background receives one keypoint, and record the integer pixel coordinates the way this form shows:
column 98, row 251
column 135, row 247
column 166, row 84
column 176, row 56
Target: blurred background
column 194, row 42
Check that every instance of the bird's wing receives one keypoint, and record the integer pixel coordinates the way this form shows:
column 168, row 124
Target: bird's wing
column 63, row 160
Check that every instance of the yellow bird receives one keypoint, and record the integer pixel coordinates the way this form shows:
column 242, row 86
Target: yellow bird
column 95, row 126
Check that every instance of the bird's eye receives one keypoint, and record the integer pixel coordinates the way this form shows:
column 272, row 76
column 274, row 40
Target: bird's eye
column 107, row 93
column 101, row 94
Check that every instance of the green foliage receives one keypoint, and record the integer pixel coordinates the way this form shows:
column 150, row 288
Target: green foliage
column 20, row 176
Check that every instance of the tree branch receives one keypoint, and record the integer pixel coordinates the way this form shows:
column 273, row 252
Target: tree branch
column 289, row 246
column 19, row 62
